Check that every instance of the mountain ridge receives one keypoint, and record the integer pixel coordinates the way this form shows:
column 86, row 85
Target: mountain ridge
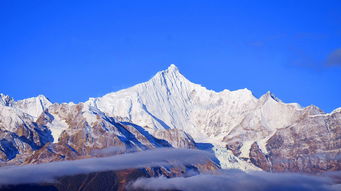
column 243, row 131
column 172, row 68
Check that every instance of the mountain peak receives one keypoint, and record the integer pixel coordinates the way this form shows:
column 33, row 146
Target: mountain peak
column 6, row 100
column 34, row 106
column 43, row 98
column 172, row 68
column 270, row 95
column 171, row 73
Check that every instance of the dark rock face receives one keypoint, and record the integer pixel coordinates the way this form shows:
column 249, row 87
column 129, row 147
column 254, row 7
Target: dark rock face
column 103, row 181
column 258, row 158
column 27, row 138
column 235, row 147
column 8, row 149
column 29, row 187
column 106, row 181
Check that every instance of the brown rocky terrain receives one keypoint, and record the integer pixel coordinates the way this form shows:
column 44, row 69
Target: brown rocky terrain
column 311, row 145
column 33, row 143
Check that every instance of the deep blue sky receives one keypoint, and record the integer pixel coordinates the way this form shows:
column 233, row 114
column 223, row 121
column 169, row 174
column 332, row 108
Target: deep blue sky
column 70, row 51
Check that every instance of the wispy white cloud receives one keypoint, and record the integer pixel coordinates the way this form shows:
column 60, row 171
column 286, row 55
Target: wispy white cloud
column 239, row 181
column 334, row 59
column 48, row 172
column 303, row 59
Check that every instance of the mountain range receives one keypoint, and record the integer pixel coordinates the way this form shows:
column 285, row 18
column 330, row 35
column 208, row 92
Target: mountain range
column 242, row 131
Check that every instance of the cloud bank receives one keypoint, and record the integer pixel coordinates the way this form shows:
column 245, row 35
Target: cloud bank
column 233, row 180
column 48, row 172
column 239, row 181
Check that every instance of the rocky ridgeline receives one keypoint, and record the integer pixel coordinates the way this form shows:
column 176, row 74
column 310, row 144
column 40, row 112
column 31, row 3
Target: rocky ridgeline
column 170, row 111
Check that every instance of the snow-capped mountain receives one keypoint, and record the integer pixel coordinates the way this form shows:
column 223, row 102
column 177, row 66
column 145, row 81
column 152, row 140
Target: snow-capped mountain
column 170, row 101
column 233, row 118
column 168, row 110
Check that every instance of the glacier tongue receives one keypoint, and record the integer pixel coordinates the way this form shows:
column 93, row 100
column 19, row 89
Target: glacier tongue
column 57, row 126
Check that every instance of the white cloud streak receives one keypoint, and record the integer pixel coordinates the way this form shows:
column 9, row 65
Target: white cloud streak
column 239, row 181
column 48, row 172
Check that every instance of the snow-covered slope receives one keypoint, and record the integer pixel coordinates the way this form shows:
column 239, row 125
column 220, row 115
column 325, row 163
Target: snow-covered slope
column 169, row 100
column 72, row 131
column 33, row 106
column 5, row 100
column 15, row 113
